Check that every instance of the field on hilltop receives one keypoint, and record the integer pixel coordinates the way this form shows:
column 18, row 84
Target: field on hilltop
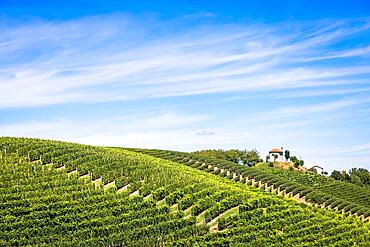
column 66, row 194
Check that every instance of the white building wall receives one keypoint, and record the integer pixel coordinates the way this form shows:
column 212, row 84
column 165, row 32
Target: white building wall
column 280, row 158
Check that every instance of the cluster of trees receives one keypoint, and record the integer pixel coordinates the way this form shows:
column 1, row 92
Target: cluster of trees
column 245, row 157
column 297, row 162
column 359, row 176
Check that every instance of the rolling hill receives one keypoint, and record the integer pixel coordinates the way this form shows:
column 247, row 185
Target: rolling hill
column 65, row 194
column 309, row 187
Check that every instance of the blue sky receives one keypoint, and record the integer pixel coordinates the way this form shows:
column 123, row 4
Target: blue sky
column 191, row 75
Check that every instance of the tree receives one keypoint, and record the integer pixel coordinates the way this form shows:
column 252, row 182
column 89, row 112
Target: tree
column 297, row 162
column 355, row 179
column 249, row 158
column 275, row 157
column 335, row 174
column 287, row 155
column 301, row 163
column 362, row 174
column 294, row 159
column 344, row 176
column 359, row 176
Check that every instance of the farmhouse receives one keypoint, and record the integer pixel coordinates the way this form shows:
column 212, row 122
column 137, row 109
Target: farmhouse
column 276, row 154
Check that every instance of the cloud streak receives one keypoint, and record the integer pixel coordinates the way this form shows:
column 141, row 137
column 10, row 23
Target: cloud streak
column 109, row 58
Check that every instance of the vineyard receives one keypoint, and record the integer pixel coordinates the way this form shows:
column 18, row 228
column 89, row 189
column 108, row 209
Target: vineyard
column 65, row 194
column 311, row 188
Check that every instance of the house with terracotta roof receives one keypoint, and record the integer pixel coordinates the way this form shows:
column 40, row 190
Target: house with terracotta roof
column 276, row 154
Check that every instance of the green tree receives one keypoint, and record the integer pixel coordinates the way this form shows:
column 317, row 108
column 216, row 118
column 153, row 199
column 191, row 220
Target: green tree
column 359, row 176
column 362, row 174
column 287, row 155
column 355, row 179
column 335, row 174
column 297, row 162
column 249, row 158
column 275, row 157
column 294, row 159
column 344, row 176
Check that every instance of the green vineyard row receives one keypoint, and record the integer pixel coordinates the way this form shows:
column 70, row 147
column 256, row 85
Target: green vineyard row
column 63, row 194
column 317, row 189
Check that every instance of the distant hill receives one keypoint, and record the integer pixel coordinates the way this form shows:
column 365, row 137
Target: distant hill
column 65, row 194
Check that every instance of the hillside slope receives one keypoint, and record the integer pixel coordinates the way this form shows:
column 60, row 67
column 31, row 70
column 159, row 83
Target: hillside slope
column 64, row 194
column 319, row 190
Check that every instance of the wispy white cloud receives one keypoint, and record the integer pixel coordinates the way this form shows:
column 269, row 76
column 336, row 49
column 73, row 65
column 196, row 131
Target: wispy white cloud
column 333, row 91
column 359, row 52
column 117, row 58
column 362, row 148
column 66, row 129
column 318, row 108
column 294, row 115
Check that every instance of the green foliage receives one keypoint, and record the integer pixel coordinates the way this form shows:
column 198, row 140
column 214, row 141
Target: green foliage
column 275, row 157
column 41, row 206
column 287, row 154
column 336, row 175
column 325, row 173
column 355, row 179
column 362, row 176
column 358, row 176
column 297, row 162
column 249, row 158
column 317, row 189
